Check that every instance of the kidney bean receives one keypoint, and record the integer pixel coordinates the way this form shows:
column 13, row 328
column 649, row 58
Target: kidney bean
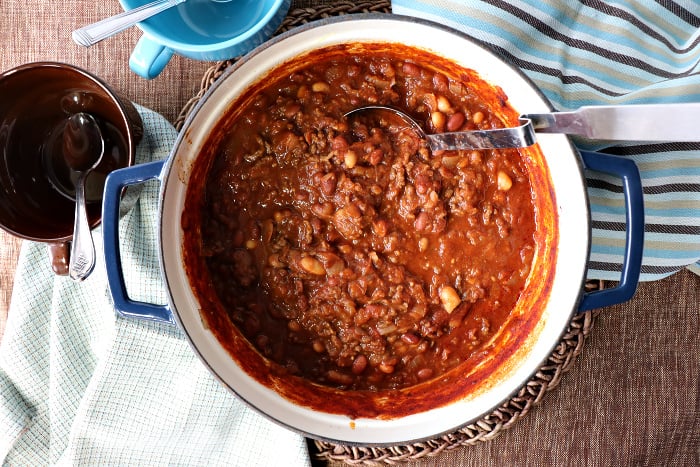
column 359, row 364
column 410, row 338
column 251, row 325
column 328, row 183
column 455, row 121
column 422, row 222
column 322, row 210
column 339, row 143
column 339, row 378
column 410, row 69
column 440, row 82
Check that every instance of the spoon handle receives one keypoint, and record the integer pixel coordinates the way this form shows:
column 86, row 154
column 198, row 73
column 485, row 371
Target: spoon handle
column 94, row 33
column 82, row 251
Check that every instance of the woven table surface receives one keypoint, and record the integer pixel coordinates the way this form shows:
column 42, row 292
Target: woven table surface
column 631, row 398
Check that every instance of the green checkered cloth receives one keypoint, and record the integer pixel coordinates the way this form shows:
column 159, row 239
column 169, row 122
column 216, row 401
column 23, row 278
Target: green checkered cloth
column 81, row 385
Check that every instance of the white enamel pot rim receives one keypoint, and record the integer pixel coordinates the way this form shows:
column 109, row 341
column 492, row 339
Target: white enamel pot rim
column 569, row 187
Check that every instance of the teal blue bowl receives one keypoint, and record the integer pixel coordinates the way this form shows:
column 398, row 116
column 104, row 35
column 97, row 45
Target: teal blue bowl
column 207, row 30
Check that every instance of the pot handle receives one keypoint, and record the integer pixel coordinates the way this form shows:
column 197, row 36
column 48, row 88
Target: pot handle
column 627, row 170
column 116, row 181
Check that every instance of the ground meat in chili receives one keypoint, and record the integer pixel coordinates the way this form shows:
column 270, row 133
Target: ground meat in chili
column 342, row 248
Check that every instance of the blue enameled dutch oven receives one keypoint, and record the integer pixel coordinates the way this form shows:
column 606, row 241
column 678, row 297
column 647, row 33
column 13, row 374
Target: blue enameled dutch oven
column 274, row 397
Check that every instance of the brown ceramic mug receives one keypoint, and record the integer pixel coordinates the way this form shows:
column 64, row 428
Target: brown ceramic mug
column 36, row 187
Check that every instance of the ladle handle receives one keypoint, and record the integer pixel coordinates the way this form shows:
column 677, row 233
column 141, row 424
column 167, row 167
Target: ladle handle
column 96, row 32
column 520, row 136
column 82, row 251
column 639, row 122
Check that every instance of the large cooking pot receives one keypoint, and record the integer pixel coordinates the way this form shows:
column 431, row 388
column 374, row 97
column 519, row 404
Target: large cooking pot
column 470, row 397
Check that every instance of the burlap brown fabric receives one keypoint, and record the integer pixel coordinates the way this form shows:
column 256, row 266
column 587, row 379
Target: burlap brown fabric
column 631, row 396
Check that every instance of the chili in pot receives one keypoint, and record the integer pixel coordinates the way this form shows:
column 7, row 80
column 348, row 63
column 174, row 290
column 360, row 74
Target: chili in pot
column 345, row 251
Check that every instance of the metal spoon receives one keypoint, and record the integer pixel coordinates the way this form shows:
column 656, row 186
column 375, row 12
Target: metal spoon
column 96, row 32
column 83, row 148
column 643, row 122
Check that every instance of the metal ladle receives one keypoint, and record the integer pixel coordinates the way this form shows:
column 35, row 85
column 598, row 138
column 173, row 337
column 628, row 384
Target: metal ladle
column 642, row 122
column 83, row 149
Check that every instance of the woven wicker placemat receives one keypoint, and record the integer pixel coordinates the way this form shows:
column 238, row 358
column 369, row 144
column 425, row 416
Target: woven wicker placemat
column 487, row 428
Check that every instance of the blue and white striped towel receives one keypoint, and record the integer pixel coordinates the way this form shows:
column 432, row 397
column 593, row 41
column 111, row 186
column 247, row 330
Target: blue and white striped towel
column 588, row 52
